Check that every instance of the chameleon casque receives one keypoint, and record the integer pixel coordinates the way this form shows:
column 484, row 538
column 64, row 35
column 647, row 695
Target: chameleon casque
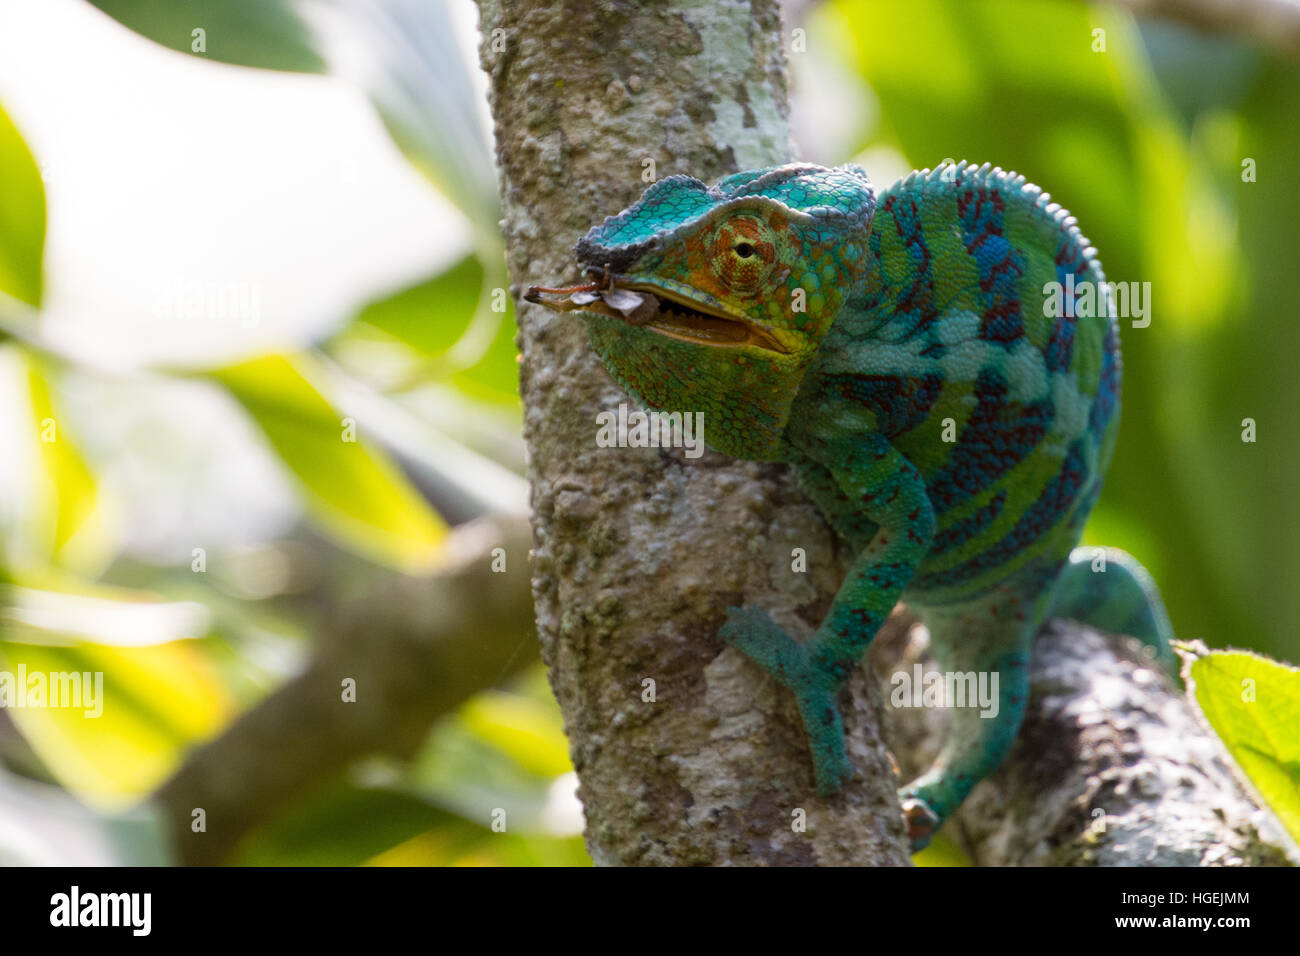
column 817, row 323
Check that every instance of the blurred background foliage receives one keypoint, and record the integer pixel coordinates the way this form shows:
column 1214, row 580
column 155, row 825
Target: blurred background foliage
column 1144, row 141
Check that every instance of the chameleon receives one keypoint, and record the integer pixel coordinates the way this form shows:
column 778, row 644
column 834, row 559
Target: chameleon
column 900, row 351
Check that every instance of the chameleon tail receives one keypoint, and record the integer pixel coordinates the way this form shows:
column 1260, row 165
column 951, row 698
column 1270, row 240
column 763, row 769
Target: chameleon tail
column 1107, row 589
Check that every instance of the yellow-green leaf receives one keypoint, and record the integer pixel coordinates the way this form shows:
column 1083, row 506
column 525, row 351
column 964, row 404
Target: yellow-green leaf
column 530, row 731
column 349, row 486
column 263, row 33
column 22, row 217
column 139, row 710
column 51, row 510
column 69, row 491
column 1253, row 704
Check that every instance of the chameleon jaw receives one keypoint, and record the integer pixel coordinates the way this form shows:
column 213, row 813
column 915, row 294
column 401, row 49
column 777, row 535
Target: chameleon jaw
column 664, row 312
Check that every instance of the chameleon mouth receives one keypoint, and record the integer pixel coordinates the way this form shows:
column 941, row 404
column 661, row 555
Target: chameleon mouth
column 664, row 312
column 679, row 318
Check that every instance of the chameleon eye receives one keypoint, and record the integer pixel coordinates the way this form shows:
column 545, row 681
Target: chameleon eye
column 743, row 253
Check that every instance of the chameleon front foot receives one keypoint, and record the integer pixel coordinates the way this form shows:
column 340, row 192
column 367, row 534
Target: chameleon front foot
column 752, row 631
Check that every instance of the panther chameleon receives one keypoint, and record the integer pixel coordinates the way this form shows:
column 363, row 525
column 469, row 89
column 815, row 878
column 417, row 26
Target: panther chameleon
column 895, row 350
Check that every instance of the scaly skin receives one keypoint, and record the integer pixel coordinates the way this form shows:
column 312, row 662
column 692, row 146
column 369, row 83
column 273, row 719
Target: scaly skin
column 894, row 350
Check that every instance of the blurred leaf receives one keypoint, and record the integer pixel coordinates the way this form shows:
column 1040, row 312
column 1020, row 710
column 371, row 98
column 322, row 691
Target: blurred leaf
column 140, row 708
column 419, row 81
column 1251, row 362
column 494, row 377
column 528, row 730
column 22, row 217
column 443, row 329
column 492, row 849
column 70, row 491
column 1253, row 704
column 941, row 852
column 413, row 331
column 50, row 509
column 502, row 759
column 462, row 772
column 447, row 847
column 350, row 487
column 1199, row 70
column 343, row 824
column 432, row 316
column 262, row 33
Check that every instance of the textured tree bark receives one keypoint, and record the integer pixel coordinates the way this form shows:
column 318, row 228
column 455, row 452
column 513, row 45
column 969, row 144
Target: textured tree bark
column 1111, row 767
column 637, row 552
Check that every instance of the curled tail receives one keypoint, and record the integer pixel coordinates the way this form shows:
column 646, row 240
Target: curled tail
column 1108, row 589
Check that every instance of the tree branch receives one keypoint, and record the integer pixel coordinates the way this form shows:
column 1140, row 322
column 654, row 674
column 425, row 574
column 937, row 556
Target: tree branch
column 1273, row 23
column 417, row 649
column 1111, row 767
column 638, row 552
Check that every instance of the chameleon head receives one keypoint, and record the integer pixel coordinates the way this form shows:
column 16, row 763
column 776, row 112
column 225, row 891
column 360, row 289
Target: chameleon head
column 715, row 299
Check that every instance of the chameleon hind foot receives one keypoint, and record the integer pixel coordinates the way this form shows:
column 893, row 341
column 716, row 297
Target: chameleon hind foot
column 752, row 631
column 929, row 800
column 921, row 821
column 981, row 730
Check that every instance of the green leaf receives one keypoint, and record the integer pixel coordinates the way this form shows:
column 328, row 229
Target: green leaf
column 351, row 488
column 471, row 776
column 140, row 709
column 343, row 824
column 1253, row 704
column 414, row 332
column 421, row 85
column 527, row 729
column 432, row 316
column 22, row 217
column 443, row 329
column 262, row 33
column 958, row 81
column 494, row 377
column 69, row 488
column 52, row 513
column 346, row 824
column 941, row 852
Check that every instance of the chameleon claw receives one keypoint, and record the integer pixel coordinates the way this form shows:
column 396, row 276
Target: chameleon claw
column 921, row 821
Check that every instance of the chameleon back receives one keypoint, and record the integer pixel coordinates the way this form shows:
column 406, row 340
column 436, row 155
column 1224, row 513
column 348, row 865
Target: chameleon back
column 1004, row 397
